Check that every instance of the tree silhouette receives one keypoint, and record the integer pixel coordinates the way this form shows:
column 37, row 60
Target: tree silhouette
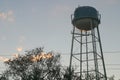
column 38, row 65
column 34, row 65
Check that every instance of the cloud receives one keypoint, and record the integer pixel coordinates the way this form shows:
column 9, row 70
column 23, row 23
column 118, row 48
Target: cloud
column 21, row 41
column 60, row 10
column 19, row 49
column 7, row 16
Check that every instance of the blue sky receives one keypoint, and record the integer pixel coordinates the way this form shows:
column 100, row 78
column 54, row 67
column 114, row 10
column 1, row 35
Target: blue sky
column 29, row 24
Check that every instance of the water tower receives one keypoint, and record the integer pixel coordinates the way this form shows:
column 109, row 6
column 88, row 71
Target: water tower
column 86, row 49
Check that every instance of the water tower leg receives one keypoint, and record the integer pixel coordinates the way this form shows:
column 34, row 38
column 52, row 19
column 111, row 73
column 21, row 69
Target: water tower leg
column 102, row 53
column 70, row 65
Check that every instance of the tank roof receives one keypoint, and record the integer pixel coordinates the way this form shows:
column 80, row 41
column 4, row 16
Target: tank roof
column 83, row 15
column 85, row 12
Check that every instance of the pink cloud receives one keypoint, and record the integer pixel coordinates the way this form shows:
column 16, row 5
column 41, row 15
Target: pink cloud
column 7, row 16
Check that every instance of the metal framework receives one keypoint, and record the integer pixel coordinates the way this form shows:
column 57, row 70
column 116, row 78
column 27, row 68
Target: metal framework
column 87, row 55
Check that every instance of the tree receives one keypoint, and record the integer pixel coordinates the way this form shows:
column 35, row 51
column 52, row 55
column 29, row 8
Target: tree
column 38, row 65
column 34, row 65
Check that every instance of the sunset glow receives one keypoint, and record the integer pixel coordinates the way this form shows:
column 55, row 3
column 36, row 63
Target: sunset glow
column 4, row 59
column 19, row 49
column 34, row 58
column 16, row 55
column 40, row 56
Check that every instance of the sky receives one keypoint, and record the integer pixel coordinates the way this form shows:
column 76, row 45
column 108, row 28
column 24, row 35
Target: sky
column 28, row 24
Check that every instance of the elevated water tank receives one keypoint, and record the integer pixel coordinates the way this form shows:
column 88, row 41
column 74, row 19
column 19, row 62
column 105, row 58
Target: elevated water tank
column 86, row 18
